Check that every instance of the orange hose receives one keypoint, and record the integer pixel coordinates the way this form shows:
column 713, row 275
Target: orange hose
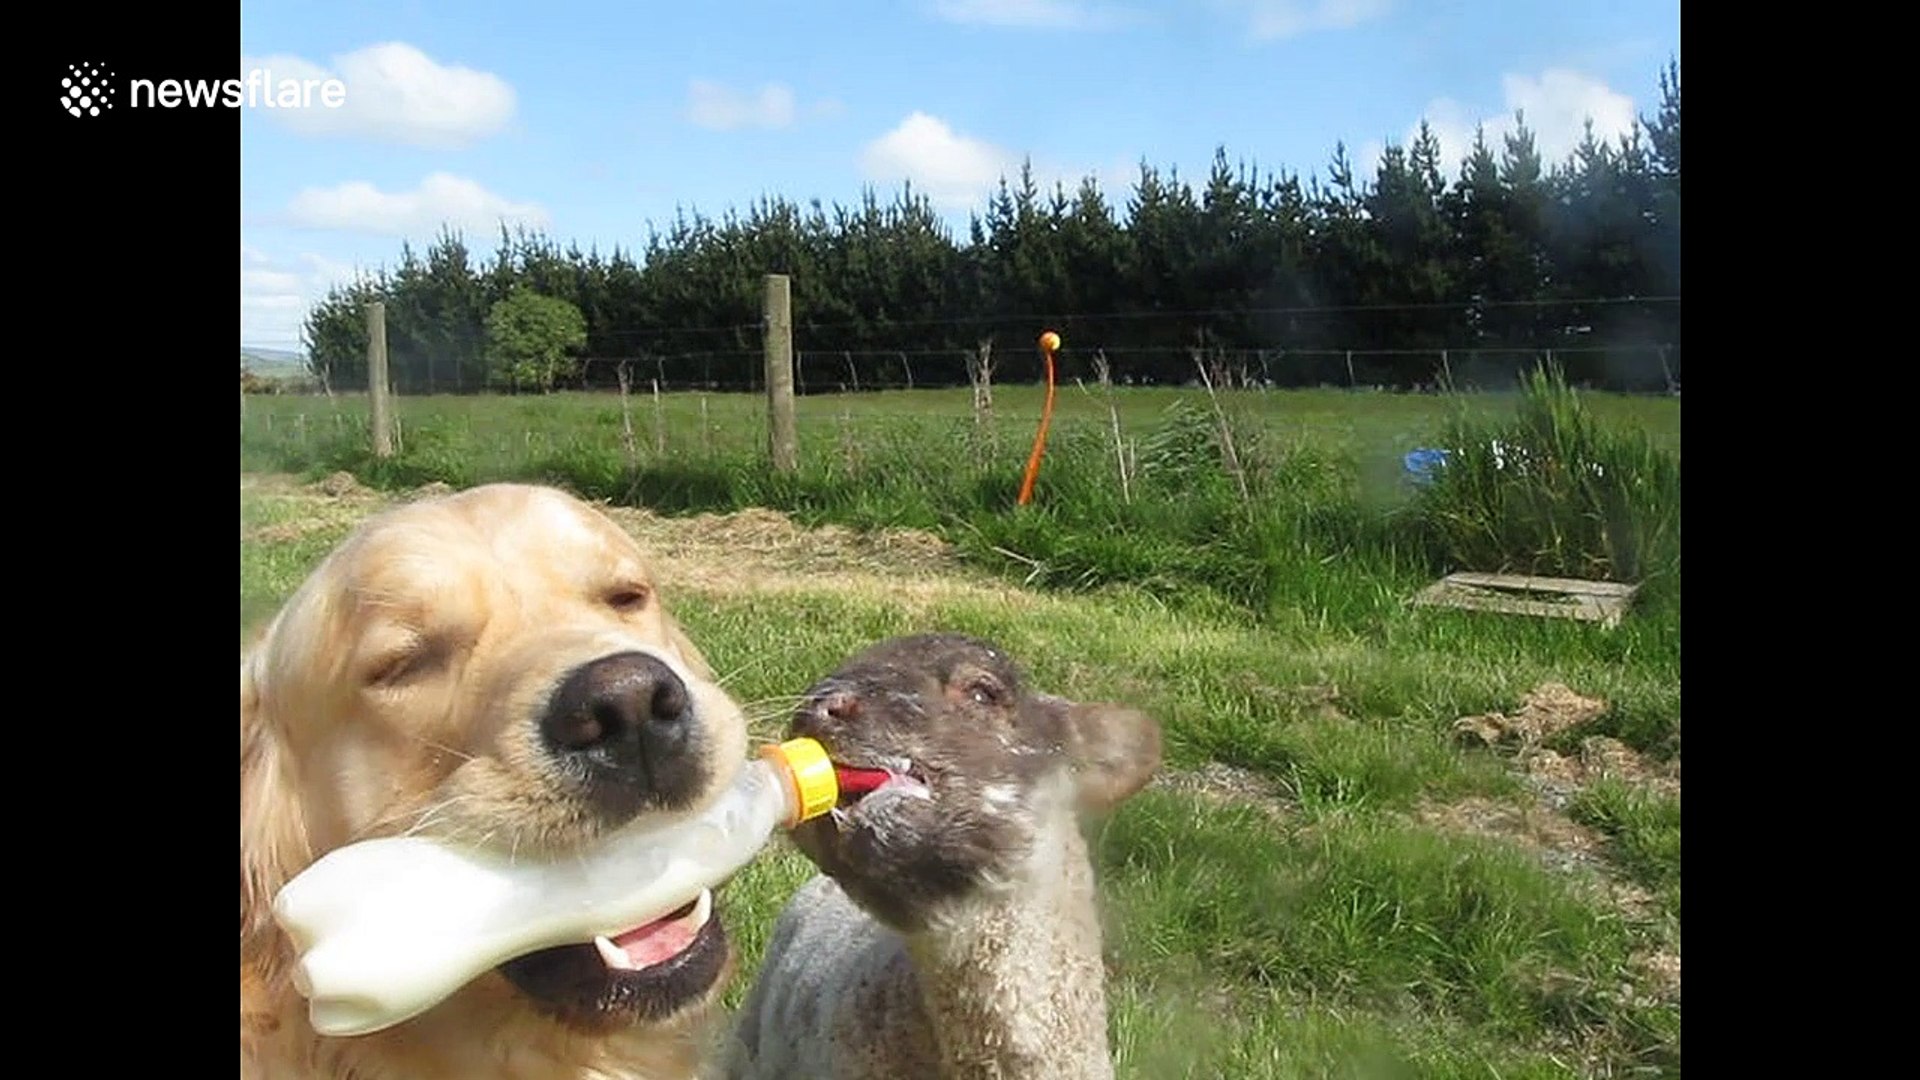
column 1040, row 439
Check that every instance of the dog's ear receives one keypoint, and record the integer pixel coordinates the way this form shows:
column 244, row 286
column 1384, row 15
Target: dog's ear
column 273, row 839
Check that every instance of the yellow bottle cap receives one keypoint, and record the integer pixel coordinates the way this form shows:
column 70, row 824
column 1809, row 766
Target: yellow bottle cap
column 810, row 779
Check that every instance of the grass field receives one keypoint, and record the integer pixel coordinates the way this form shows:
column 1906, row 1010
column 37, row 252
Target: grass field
column 493, row 436
column 1329, row 880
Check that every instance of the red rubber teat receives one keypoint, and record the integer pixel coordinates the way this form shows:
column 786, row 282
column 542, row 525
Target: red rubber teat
column 858, row 781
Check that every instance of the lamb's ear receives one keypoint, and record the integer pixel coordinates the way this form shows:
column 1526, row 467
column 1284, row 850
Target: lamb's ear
column 1115, row 750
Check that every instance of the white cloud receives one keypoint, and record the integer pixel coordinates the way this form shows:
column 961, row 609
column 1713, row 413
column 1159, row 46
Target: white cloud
column 719, row 107
column 958, row 172
column 396, row 94
column 1274, row 20
column 441, row 198
column 1556, row 104
column 953, row 170
column 275, row 294
column 1049, row 14
column 1116, row 179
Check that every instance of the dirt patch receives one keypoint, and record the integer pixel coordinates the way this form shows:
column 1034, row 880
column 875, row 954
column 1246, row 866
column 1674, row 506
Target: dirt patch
column 761, row 550
column 1601, row 756
column 340, row 485
column 267, row 483
column 1662, row 969
column 1549, row 712
column 1226, row 785
column 1544, row 712
column 318, row 511
column 1552, row 711
column 284, row 532
column 753, row 550
column 1559, row 841
column 770, row 533
column 1559, row 777
column 1561, row 844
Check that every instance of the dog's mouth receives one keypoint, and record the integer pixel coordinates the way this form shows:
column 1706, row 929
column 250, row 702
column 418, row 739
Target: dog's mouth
column 646, row 973
column 652, row 944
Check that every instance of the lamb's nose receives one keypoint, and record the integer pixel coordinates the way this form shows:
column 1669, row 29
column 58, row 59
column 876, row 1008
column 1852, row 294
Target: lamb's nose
column 825, row 712
column 841, row 706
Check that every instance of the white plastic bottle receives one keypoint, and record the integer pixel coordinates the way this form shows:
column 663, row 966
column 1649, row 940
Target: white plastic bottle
column 388, row 928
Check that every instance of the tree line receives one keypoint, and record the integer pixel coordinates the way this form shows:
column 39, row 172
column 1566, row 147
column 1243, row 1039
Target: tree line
column 1258, row 275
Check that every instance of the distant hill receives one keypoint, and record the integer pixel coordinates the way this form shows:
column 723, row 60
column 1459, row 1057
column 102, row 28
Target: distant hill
column 273, row 363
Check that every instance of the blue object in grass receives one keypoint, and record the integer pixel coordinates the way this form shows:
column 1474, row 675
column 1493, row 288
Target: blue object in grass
column 1423, row 463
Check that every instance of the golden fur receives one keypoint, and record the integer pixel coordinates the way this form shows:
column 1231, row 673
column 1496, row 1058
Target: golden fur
column 397, row 691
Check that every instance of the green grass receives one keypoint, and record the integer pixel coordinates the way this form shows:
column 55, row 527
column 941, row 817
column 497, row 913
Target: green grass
column 1327, row 523
column 1361, row 910
column 497, row 434
column 300, row 537
column 1326, row 934
column 1644, row 829
column 1357, row 946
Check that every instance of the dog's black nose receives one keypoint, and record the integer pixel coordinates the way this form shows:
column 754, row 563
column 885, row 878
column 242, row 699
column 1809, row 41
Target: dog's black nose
column 624, row 724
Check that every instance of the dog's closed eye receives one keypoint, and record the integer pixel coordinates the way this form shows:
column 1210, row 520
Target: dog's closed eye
column 399, row 666
column 628, row 598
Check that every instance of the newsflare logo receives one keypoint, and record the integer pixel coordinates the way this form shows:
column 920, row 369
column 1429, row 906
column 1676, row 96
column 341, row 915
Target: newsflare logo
column 88, row 90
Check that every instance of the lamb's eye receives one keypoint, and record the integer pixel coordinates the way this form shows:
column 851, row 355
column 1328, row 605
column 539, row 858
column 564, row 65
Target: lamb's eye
column 984, row 692
column 628, row 598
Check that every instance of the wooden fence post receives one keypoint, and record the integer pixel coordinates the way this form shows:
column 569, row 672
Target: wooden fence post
column 379, row 389
column 779, row 356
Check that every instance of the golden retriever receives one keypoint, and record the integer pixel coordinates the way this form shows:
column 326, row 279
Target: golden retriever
column 494, row 666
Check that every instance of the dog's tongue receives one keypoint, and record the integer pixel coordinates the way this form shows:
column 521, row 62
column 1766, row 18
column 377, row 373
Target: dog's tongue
column 661, row 939
column 856, row 782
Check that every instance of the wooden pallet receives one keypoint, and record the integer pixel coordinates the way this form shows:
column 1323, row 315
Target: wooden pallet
column 1604, row 602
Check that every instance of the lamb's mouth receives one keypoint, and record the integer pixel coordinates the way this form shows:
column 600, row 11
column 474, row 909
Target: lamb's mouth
column 646, row 973
column 876, row 781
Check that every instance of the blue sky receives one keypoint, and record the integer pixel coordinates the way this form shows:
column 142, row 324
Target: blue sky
column 589, row 120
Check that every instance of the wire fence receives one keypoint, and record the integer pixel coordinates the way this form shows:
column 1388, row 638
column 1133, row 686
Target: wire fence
column 1619, row 343
column 1652, row 368
column 1633, row 369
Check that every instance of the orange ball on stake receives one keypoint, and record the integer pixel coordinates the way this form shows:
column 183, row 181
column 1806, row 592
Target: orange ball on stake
column 1049, row 344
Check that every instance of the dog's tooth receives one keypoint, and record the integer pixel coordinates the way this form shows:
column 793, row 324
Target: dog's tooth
column 702, row 909
column 614, row 956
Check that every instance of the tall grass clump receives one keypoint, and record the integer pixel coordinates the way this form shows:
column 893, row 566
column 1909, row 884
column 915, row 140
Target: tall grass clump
column 1552, row 492
column 1193, row 518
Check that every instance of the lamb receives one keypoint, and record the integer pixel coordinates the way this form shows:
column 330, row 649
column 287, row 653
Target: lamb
column 953, row 930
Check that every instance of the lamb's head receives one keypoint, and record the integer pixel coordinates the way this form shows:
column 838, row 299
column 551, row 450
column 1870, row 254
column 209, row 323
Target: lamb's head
column 979, row 765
